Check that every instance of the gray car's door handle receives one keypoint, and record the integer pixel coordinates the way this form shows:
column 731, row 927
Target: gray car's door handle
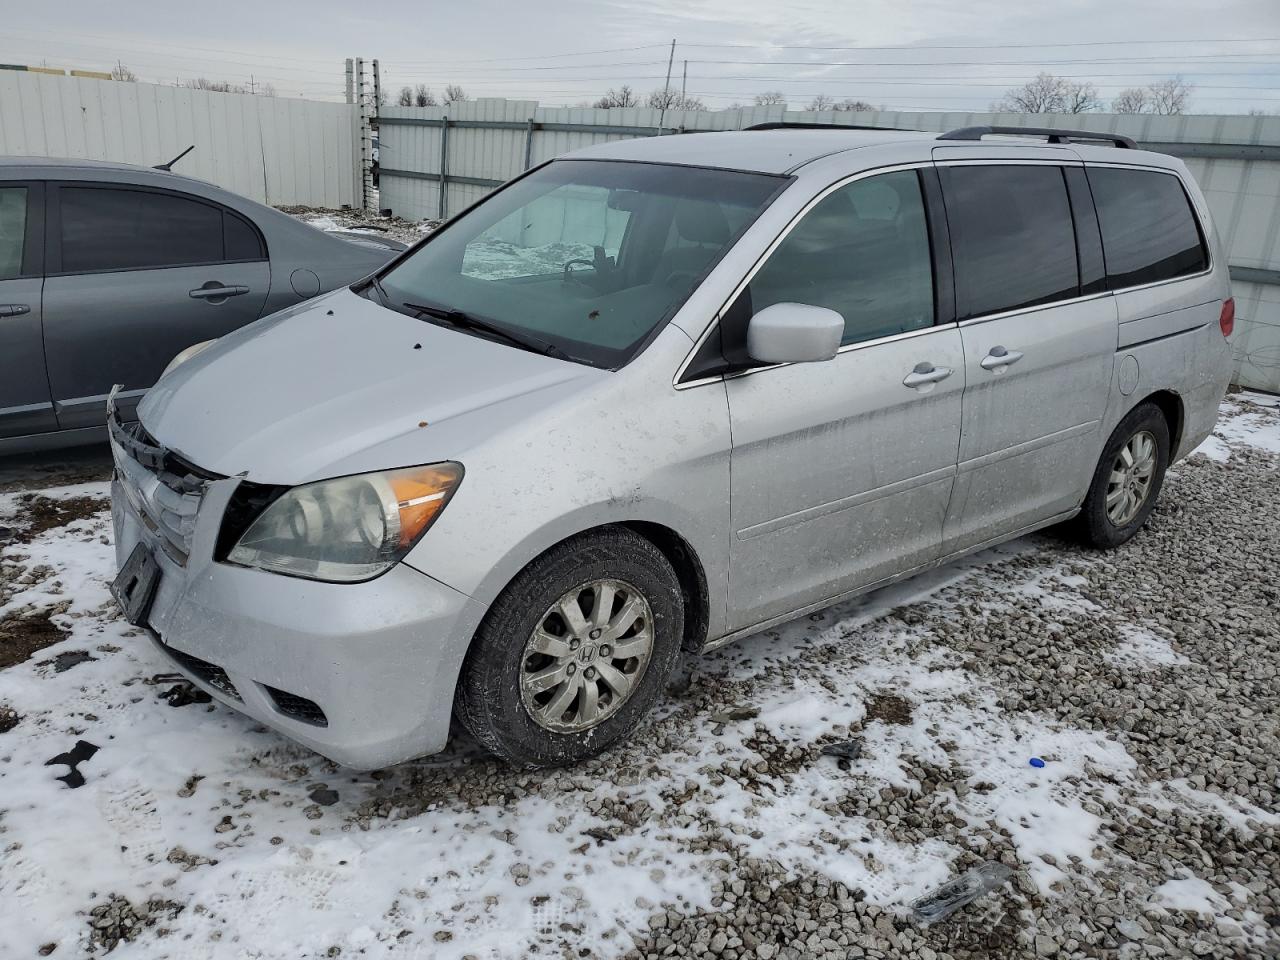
column 998, row 358
column 217, row 291
column 14, row 309
column 926, row 374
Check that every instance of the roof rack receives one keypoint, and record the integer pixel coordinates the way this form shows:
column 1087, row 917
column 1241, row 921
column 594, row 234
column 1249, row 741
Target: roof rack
column 1054, row 136
column 800, row 125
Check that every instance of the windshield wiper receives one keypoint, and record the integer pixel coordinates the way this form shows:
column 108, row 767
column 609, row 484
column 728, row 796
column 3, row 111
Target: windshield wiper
column 462, row 320
column 376, row 285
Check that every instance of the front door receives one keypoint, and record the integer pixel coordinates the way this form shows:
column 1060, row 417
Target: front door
column 135, row 276
column 25, row 404
column 1039, row 345
column 842, row 470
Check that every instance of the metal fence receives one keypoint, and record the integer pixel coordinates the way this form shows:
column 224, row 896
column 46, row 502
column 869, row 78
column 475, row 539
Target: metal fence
column 274, row 150
column 437, row 160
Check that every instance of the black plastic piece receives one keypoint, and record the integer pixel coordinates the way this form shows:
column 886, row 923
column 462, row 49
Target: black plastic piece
column 799, row 125
column 299, row 708
column 1053, row 135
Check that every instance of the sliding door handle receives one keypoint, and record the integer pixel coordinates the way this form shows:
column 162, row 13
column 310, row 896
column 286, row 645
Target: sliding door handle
column 999, row 359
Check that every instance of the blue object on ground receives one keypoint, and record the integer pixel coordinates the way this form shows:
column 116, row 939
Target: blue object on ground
column 1037, row 762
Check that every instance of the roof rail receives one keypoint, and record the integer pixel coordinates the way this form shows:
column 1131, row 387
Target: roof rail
column 1053, row 135
column 800, row 125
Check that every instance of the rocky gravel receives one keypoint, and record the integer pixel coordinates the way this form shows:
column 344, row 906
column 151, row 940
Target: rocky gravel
column 809, row 784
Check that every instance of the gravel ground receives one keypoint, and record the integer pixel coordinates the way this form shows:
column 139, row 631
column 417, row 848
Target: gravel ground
column 1146, row 679
column 361, row 221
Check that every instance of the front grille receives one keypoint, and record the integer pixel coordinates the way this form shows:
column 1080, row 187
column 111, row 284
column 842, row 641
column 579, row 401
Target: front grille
column 206, row 672
column 164, row 491
column 299, row 708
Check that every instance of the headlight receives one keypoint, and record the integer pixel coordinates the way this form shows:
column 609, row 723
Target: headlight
column 185, row 355
column 348, row 529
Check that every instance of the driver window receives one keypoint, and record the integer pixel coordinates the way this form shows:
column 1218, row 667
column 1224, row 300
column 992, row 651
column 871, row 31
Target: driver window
column 863, row 251
column 569, row 223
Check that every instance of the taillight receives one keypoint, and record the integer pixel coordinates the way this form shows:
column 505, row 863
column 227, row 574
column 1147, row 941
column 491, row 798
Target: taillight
column 1227, row 319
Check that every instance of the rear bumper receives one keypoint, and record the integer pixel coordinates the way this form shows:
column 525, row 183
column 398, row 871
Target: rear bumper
column 361, row 673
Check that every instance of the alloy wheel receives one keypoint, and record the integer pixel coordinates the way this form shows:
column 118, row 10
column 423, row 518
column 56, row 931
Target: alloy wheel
column 586, row 656
column 1129, row 485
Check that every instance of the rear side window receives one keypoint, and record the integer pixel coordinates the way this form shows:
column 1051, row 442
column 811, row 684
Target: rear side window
column 1149, row 231
column 1012, row 238
column 13, row 230
column 113, row 229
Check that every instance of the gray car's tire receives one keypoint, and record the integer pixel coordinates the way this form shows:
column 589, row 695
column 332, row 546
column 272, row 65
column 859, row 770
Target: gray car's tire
column 1102, row 522
column 496, row 699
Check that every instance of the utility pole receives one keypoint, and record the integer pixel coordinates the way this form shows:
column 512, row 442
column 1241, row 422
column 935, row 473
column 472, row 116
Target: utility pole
column 684, row 82
column 666, row 87
column 350, row 80
column 252, row 85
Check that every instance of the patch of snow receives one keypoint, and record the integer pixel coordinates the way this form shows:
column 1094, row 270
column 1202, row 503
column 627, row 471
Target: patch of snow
column 1140, row 649
column 1189, row 892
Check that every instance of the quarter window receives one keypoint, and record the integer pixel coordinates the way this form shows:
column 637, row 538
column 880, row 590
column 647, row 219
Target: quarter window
column 863, row 252
column 113, row 229
column 13, row 228
column 1149, row 232
column 1011, row 237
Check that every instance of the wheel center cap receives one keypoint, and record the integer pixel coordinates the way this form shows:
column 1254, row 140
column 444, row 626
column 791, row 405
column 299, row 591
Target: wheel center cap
column 587, row 653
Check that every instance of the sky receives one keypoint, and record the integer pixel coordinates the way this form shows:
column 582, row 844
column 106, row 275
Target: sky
column 898, row 54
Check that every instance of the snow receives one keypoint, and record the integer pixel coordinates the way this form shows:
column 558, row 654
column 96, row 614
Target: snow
column 447, row 878
column 1246, row 419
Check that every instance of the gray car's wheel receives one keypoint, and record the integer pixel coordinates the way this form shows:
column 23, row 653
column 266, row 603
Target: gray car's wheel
column 1127, row 480
column 575, row 651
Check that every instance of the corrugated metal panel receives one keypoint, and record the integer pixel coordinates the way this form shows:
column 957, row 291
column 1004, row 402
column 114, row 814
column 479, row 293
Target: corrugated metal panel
column 272, row 150
column 1243, row 194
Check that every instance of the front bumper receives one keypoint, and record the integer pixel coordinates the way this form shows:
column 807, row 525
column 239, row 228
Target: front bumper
column 361, row 673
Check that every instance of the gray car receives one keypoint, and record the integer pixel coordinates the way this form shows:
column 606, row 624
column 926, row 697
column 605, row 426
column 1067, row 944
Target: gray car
column 655, row 396
column 108, row 270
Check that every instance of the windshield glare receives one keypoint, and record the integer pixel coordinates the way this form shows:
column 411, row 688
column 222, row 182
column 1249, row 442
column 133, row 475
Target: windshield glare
column 588, row 256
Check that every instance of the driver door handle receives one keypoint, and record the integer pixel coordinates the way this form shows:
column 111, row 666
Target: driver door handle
column 999, row 357
column 926, row 374
column 217, row 292
column 14, row 309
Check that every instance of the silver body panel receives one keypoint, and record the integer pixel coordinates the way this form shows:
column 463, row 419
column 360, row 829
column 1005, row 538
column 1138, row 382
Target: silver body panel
column 791, row 485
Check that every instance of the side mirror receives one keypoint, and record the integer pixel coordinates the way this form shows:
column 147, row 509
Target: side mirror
column 794, row 333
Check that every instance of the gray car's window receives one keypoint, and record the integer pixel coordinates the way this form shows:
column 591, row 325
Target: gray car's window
column 587, row 256
column 13, row 228
column 1012, row 237
column 863, row 252
column 113, row 229
column 1148, row 230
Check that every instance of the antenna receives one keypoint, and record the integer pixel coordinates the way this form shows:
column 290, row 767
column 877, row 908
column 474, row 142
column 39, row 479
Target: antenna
column 169, row 166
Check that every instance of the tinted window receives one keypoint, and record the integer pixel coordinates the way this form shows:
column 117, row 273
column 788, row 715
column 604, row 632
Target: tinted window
column 106, row 229
column 1011, row 237
column 863, row 252
column 13, row 227
column 242, row 240
column 1148, row 230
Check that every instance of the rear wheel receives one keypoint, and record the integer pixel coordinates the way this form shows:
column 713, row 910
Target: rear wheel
column 1127, row 480
column 575, row 651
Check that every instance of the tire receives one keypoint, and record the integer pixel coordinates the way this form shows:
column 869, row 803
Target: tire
column 505, row 698
column 1104, row 526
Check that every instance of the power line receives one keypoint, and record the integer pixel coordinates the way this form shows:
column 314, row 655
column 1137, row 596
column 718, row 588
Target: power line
column 984, row 46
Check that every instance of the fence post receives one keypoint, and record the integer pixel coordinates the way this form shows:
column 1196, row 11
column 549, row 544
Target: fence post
column 528, row 145
column 444, row 163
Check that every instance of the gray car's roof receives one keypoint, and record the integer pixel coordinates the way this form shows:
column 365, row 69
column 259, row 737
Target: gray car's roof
column 77, row 163
column 765, row 151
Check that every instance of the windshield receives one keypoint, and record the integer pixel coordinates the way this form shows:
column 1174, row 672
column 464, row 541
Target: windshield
column 582, row 258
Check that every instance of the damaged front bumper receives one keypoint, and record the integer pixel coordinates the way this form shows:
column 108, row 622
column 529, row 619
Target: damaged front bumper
column 362, row 673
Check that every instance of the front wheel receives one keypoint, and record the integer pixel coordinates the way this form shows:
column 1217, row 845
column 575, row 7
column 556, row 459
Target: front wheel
column 574, row 652
column 1127, row 480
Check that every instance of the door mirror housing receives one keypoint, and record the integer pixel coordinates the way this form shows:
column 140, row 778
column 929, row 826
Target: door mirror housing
column 794, row 333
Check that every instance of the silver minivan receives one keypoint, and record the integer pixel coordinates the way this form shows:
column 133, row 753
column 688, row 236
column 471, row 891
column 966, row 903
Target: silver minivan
column 654, row 396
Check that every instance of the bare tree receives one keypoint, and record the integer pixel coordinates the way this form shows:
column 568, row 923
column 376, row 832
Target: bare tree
column 453, row 94
column 770, row 98
column 1132, row 100
column 121, row 72
column 852, row 105
column 672, row 100
column 624, row 96
column 822, row 102
column 423, row 97
column 1050, row 94
column 1170, row 97
column 405, row 97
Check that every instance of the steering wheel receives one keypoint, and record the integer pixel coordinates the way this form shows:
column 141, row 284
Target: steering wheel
column 577, row 276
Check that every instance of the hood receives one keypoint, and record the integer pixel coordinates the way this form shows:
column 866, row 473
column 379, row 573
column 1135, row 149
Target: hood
column 341, row 385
